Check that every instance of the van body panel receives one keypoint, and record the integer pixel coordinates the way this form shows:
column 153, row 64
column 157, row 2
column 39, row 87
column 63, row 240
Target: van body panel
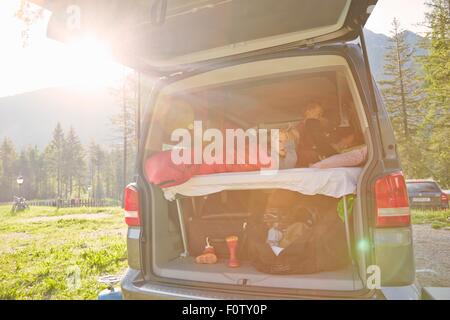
column 135, row 288
column 395, row 256
column 133, row 247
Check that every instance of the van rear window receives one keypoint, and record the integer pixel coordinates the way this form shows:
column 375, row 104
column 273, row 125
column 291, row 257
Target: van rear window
column 422, row 187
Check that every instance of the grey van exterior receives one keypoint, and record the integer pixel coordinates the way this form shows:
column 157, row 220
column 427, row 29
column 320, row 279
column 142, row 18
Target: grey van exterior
column 396, row 260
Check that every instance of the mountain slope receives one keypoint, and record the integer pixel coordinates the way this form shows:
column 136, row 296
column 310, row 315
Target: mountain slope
column 29, row 118
column 377, row 45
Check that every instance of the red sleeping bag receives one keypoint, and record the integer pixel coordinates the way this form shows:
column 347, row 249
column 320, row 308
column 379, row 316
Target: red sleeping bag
column 161, row 171
column 204, row 168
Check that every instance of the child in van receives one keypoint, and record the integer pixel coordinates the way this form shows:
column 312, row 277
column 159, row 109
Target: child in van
column 287, row 152
column 314, row 136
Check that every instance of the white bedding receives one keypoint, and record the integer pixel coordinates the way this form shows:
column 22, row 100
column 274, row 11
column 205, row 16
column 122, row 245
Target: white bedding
column 335, row 182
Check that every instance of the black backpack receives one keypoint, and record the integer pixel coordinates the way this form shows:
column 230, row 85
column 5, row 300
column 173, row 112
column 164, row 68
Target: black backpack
column 322, row 248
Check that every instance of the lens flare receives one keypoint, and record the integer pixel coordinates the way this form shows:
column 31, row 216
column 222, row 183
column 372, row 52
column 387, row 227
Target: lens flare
column 91, row 64
column 363, row 245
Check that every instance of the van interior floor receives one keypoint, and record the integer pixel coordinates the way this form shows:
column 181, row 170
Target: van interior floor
column 185, row 268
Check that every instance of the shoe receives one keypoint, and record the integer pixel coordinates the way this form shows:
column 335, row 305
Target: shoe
column 208, row 256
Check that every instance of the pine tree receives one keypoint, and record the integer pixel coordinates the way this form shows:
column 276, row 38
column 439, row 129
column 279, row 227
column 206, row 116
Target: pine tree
column 74, row 164
column 117, row 168
column 96, row 168
column 37, row 174
column 49, row 173
column 125, row 125
column 109, row 176
column 402, row 96
column 55, row 152
column 436, row 74
column 8, row 174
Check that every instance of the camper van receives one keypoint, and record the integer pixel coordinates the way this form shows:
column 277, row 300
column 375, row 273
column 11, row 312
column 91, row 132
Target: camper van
column 332, row 223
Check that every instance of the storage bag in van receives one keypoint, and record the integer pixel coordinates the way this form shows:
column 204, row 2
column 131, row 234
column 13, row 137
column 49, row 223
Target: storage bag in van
column 321, row 246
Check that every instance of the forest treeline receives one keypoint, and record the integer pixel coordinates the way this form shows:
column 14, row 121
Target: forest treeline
column 416, row 92
column 68, row 169
column 64, row 169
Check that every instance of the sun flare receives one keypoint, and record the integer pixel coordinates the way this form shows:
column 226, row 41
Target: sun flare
column 91, row 64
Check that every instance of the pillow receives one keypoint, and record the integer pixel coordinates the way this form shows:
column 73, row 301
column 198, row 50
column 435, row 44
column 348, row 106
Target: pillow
column 352, row 158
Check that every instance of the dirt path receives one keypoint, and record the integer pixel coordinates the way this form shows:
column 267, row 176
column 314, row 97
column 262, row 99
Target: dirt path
column 432, row 252
column 88, row 216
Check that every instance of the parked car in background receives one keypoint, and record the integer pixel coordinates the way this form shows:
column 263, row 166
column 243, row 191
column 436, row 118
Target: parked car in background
column 426, row 194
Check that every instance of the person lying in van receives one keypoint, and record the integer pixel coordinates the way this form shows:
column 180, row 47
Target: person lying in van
column 314, row 136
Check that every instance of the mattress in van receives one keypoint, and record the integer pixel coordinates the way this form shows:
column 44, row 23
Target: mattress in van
column 334, row 182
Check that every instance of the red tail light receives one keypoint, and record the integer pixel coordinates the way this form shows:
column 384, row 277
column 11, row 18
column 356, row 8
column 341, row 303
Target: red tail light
column 392, row 203
column 444, row 198
column 131, row 206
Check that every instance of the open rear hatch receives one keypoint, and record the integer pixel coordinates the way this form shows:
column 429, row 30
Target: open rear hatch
column 276, row 97
column 163, row 35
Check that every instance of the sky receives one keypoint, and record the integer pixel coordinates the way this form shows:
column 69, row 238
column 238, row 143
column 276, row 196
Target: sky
column 410, row 13
column 46, row 63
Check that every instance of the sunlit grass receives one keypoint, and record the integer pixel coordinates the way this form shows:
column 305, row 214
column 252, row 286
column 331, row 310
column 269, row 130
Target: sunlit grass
column 38, row 260
column 5, row 211
column 437, row 218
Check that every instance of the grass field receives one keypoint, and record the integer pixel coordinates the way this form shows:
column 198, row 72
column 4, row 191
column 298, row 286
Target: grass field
column 437, row 218
column 59, row 254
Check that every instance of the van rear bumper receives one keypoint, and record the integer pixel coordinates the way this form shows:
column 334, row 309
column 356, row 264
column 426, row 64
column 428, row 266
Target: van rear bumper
column 135, row 288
